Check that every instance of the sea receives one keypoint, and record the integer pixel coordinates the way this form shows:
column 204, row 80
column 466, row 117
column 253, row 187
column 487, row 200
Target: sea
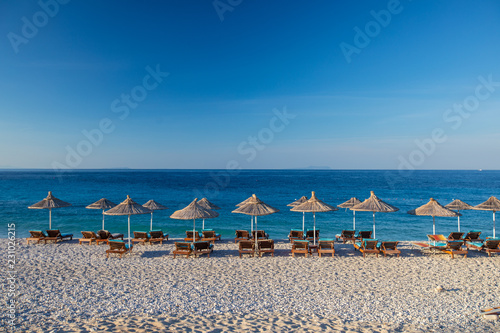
column 175, row 189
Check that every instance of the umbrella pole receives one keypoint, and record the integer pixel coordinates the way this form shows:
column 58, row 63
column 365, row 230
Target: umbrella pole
column 303, row 221
column 50, row 218
column 151, row 226
column 458, row 221
column 194, row 229
column 251, row 225
column 129, row 231
column 434, row 227
column 203, row 226
column 353, row 220
column 256, row 240
column 314, row 229
column 374, row 225
column 103, row 219
column 493, row 224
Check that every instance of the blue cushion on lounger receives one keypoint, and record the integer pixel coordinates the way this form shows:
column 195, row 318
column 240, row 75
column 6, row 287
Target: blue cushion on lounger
column 326, row 240
column 208, row 230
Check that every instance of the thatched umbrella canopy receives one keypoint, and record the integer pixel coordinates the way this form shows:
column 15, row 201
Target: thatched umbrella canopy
column 375, row 205
column 433, row 208
column 152, row 206
column 296, row 203
column 349, row 204
column 208, row 205
column 48, row 203
column 128, row 207
column 244, row 202
column 313, row 205
column 492, row 204
column 194, row 211
column 102, row 204
column 458, row 205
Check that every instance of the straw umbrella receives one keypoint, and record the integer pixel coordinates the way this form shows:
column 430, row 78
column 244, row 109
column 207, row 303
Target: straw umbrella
column 296, row 203
column 349, row 204
column 48, row 203
column 102, row 204
column 208, row 205
column 491, row 204
column 433, row 208
column 243, row 203
column 128, row 207
column 375, row 205
column 458, row 205
column 255, row 207
column 152, row 206
column 313, row 205
column 194, row 211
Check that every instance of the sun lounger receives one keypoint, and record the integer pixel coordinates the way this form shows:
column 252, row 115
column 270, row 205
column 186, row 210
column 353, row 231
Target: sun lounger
column 456, row 236
column 141, row 237
column 189, row 236
column 118, row 247
column 241, row 235
column 202, row 248
column 473, row 236
column 210, row 236
column 55, row 235
column 346, row 236
column 364, row 234
column 437, row 238
column 301, row 246
column 326, row 246
column 491, row 245
column 157, row 236
column 36, row 235
column 295, row 234
column 90, row 236
column 105, row 234
column 310, row 234
column 182, row 248
column 454, row 247
column 266, row 246
column 389, row 247
column 367, row 246
column 246, row 247
column 261, row 234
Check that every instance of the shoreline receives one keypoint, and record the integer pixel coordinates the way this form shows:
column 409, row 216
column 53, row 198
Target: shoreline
column 73, row 288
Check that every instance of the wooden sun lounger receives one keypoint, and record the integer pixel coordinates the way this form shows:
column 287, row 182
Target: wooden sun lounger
column 456, row 236
column 326, row 246
column 389, row 247
column 118, row 247
column 367, row 246
column 189, row 236
column 490, row 246
column 300, row 246
column 346, row 236
column 106, row 236
column 182, row 248
column 473, row 236
column 210, row 236
column 310, row 235
column 141, row 237
column 157, row 236
column 454, row 247
column 55, row 235
column 295, row 234
column 261, row 234
column 241, row 235
column 202, row 248
column 36, row 235
column 364, row 234
column 266, row 246
column 90, row 236
column 246, row 247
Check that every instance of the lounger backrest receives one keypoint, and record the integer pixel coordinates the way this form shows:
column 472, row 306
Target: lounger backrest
column 296, row 233
column 54, row 233
column 189, row 234
column 37, row 234
column 266, row 244
column 201, row 245
column 348, row 233
column 301, row 244
column 492, row 243
column 141, row 234
column 454, row 245
column 244, row 244
column 473, row 234
column 182, row 246
column 208, row 234
column 89, row 234
column 389, row 245
column 104, row 234
column 242, row 234
column 261, row 233
column 456, row 235
column 365, row 234
column 325, row 244
column 370, row 244
column 437, row 238
column 156, row 234
column 116, row 245
column 310, row 233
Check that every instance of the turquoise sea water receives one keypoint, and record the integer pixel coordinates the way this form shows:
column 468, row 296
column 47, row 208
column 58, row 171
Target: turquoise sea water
column 177, row 188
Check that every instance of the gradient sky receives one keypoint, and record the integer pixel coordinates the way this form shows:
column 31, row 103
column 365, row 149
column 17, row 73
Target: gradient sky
column 232, row 69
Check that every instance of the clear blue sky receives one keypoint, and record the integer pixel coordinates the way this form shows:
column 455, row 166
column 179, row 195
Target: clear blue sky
column 359, row 100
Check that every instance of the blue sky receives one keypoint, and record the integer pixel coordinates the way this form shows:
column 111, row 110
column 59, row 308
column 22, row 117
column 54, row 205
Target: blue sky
column 256, row 84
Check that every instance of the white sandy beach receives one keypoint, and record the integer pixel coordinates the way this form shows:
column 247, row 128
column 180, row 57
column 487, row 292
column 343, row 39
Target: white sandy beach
column 73, row 288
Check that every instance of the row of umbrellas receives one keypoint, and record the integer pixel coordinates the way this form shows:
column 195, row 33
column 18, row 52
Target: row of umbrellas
column 253, row 206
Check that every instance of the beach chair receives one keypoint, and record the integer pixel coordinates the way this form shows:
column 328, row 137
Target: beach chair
column 246, row 247
column 364, row 234
column 491, row 245
column 118, row 247
column 346, row 236
column 182, row 248
column 326, row 246
column 367, row 246
column 261, row 234
column 473, row 236
column 296, row 234
column 105, row 235
column 189, row 236
column 140, row 237
column 202, row 248
column 89, row 236
column 266, row 246
column 454, row 247
column 55, row 235
column 389, row 247
column 157, row 236
column 456, row 236
column 241, row 235
column 300, row 246
column 310, row 234
column 210, row 236
column 36, row 235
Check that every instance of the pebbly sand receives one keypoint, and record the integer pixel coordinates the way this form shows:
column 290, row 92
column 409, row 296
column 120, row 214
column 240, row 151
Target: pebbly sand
column 73, row 288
